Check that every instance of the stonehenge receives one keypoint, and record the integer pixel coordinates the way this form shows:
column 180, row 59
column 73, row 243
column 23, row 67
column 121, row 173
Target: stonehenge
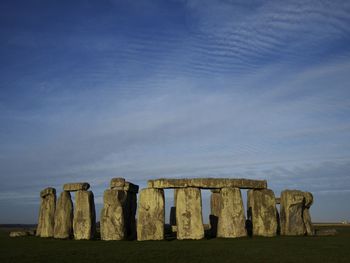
column 64, row 216
column 117, row 221
column 84, row 219
column 295, row 218
column 46, row 222
column 231, row 221
column 227, row 219
column 263, row 212
column 151, row 215
column 189, row 218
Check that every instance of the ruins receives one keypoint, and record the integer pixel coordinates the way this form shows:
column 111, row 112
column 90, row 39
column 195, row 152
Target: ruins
column 227, row 214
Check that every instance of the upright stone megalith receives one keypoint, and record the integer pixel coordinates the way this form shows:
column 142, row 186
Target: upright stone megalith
column 84, row 221
column 231, row 222
column 189, row 214
column 151, row 215
column 46, row 222
column 306, row 214
column 215, row 207
column 112, row 224
column 64, row 216
column 262, row 204
column 294, row 215
column 129, row 205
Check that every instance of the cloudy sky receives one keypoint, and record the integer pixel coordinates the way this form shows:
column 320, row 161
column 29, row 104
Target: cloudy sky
column 91, row 90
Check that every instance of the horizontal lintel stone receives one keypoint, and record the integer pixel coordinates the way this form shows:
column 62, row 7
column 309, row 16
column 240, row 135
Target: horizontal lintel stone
column 207, row 183
column 76, row 187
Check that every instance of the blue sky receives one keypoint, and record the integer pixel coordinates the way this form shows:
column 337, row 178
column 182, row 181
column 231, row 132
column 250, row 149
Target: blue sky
column 91, row 90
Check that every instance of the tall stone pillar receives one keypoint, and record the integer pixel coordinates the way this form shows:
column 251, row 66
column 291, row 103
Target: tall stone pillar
column 306, row 213
column 189, row 214
column 231, row 222
column 112, row 222
column 46, row 222
column 151, row 215
column 64, row 216
column 262, row 204
column 84, row 221
column 294, row 215
column 215, row 206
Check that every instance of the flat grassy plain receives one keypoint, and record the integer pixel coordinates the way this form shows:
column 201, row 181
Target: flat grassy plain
column 256, row 249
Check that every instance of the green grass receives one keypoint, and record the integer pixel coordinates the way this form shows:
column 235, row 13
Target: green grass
column 278, row 249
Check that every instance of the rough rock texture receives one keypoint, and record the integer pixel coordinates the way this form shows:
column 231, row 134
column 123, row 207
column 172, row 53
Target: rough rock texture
column 306, row 214
column 293, row 217
column 19, row 233
column 64, row 216
column 84, row 221
column 112, row 215
column 151, row 215
column 189, row 214
column 76, row 187
column 46, row 220
column 117, row 182
column 231, row 221
column 215, row 206
column 47, row 191
column 207, row 183
column 126, row 187
column 262, row 204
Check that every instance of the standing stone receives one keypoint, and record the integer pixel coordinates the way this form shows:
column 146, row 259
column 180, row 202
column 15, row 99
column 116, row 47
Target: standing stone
column 64, row 216
column 306, row 214
column 215, row 206
column 231, row 218
column 151, row 215
column 112, row 215
column 263, row 212
column 189, row 214
column 291, row 214
column 84, row 221
column 46, row 220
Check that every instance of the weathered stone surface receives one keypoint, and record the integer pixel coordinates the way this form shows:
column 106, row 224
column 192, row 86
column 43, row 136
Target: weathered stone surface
column 117, row 182
column 215, row 207
column 76, row 186
column 189, row 214
column 112, row 215
column 207, row 183
column 84, row 220
column 293, row 205
column 215, row 204
column 262, row 204
column 151, row 215
column 306, row 214
column 19, row 234
column 64, row 216
column 326, row 232
column 127, row 187
column 46, row 220
column 47, row 191
column 231, row 217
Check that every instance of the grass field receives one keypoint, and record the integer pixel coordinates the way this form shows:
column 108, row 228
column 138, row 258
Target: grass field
column 278, row 249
